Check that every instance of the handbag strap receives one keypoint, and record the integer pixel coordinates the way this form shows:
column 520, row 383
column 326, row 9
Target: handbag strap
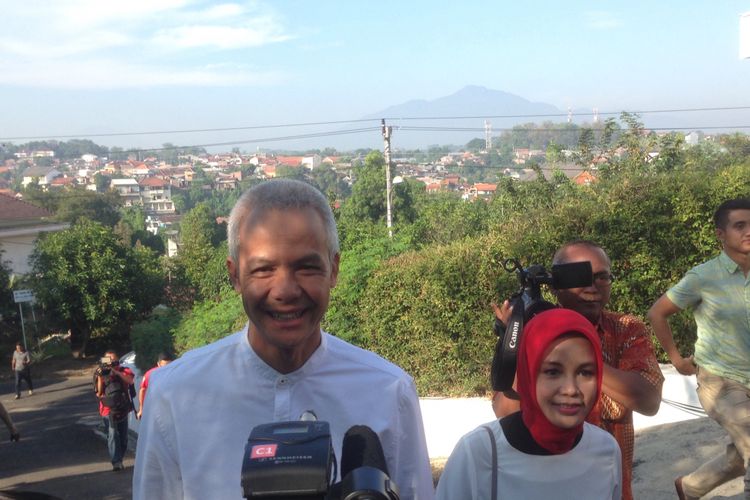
column 493, row 447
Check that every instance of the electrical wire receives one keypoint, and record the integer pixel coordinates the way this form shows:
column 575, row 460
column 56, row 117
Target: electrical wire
column 363, row 120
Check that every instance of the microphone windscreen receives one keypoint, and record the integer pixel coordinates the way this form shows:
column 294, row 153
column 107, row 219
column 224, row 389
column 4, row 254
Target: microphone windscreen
column 361, row 447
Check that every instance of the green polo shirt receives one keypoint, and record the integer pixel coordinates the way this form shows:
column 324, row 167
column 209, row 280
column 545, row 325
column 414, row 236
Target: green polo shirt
column 719, row 294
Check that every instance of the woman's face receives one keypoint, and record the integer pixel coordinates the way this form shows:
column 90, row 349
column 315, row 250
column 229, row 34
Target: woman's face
column 566, row 382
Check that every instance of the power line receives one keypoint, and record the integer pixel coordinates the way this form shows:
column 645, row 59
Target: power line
column 363, row 120
column 578, row 130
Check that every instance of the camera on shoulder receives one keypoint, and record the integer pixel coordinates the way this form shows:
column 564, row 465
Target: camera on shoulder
column 105, row 366
column 527, row 303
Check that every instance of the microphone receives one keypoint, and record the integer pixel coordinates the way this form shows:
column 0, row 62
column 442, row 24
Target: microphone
column 363, row 467
column 361, row 448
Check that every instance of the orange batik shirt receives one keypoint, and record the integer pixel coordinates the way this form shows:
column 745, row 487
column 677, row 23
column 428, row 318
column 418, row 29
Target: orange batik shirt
column 626, row 345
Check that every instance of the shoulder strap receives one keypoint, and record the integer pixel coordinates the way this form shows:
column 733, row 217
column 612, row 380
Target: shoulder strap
column 493, row 447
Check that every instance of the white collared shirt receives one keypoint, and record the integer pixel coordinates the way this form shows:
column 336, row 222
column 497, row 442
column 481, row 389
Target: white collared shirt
column 202, row 407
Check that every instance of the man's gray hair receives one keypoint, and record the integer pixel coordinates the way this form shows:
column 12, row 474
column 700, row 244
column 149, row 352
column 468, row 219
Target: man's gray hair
column 280, row 194
column 561, row 253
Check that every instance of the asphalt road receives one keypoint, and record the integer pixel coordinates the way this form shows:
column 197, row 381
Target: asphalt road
column 59, row 452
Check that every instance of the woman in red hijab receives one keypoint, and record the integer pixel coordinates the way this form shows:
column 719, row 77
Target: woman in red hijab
column 546, row 450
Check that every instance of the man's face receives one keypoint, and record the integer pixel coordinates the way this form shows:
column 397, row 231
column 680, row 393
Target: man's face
column 588, row 301
column 285, row 276
column 735, row 237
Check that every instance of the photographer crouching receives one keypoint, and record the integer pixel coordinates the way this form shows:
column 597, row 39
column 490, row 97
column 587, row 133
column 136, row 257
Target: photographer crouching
column 113, row 391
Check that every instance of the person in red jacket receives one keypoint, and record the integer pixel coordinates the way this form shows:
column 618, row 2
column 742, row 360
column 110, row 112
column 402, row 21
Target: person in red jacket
column 112, row 386
column 163, row 359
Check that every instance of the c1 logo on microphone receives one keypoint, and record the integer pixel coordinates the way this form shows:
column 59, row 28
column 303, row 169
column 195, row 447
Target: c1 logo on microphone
column 263, row 451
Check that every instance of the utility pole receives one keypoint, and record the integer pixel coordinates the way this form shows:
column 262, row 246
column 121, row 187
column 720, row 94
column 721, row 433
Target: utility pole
column 388, row 187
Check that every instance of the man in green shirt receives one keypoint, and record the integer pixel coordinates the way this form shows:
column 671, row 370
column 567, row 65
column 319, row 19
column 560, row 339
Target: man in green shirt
column 718, row 291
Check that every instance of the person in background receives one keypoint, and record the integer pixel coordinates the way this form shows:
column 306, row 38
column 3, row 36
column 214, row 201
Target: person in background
column 112, row 390
column 718, row 292
column 632, row 379
column 545, row 450
column 21, row 365
column 163, row 359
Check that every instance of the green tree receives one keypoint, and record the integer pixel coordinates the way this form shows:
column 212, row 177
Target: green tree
column 200, row 236
column 91, row 283
column 476, row 145
column 82, row 203
column 7, row 307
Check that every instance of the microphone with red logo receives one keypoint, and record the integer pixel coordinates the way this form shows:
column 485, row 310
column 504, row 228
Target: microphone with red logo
column 363, row 468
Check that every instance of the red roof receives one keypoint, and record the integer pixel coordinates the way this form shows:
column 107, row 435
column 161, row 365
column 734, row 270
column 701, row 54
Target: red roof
column 292, row 161
column 152, row 182
column 13, row 209
column 62, row 181
column 482, row 186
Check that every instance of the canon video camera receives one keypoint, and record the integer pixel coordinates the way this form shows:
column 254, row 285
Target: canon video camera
column 527, row 303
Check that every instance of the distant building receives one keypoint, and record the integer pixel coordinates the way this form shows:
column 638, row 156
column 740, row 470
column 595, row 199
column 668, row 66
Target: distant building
column 129, row 190
column 41, row 175
column 21, row 223
column 156, row 196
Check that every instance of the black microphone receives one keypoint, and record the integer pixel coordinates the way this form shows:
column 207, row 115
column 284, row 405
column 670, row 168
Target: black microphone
column 361, row 448
column 363, row 469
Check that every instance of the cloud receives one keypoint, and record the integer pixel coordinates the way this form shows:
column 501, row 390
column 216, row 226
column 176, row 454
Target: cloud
column 602, row 20
column 159, row 40
column 256, row 33
column 108, row 74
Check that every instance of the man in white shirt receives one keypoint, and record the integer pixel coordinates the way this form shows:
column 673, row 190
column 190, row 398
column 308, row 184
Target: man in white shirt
column 284, row 259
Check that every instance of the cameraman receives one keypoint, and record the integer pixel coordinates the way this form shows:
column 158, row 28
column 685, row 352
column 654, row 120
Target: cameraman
column 283, row 261
column 115, row 418
column 632, row 379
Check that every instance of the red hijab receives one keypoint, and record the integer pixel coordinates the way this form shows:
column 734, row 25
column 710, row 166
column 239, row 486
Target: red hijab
column 538, row 334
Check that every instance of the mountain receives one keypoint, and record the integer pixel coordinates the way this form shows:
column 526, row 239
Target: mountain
column 465, row 109
column 469, row 101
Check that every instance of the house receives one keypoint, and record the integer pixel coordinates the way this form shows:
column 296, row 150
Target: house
column 290, row 161
column 584, row 178
column 61, row 182
column 20, row 225
column 41, row 175
column 129, row 191
column 156, row 196
column 311, row 162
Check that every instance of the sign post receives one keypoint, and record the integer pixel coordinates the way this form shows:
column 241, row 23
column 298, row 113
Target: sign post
column 19, row 297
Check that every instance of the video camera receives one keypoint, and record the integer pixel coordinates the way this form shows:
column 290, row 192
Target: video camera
column 527, row 303
column 295, row 460
column 105, row 366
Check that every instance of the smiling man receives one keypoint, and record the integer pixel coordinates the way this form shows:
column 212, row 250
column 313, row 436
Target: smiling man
column 632, row 379
column 718, row 293
column 284, row 261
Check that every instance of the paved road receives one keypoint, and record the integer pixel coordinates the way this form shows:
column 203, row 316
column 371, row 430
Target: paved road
column 59, row 452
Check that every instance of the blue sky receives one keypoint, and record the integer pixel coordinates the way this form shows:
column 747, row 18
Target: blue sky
column 78, row 67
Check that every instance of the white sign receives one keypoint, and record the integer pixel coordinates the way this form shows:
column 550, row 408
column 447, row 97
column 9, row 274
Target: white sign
column 23, row 296
column 745, row 36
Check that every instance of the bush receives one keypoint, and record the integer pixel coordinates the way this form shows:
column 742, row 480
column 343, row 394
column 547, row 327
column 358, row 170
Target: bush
column 154, row 335
column 209, row 321
column 429, row 310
